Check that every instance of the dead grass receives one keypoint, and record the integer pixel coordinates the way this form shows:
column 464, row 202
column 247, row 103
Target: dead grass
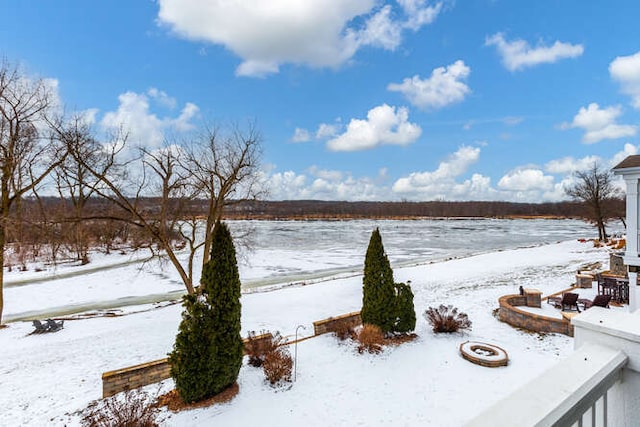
column 174, row 402
column 400, row 339
column 370, row 339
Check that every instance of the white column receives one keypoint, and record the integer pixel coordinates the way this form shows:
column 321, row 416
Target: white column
column 633, row 292
column 631, row 253
column 632, row 216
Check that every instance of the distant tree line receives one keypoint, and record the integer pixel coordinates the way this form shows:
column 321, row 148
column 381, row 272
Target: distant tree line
column 316, row 209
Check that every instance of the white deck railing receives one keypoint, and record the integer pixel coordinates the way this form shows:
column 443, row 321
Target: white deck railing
column 598, row 385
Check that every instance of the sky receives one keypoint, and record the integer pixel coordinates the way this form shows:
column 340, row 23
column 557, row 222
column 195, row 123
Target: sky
column 356, row 99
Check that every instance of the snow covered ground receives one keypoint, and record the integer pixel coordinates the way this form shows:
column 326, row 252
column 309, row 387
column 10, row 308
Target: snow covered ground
column 46, row 379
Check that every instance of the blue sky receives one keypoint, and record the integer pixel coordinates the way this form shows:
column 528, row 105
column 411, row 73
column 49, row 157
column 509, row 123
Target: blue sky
column 357, row 99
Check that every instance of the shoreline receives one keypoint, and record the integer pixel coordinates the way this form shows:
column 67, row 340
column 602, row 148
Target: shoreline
column 249, row 287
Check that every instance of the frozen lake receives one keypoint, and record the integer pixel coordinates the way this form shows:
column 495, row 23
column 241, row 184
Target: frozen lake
column 297, row 250
column 275, row 254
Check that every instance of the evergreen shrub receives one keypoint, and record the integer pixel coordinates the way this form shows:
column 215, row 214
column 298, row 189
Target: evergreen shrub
column 385, row 304
column 405, row 311
column 208, row 351
column 378, row 290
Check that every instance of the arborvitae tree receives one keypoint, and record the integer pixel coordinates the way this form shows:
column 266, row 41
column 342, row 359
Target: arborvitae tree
column 405, row 311
column 190, row 361
column 221, row 280
column 378, row 292
column 208, row 351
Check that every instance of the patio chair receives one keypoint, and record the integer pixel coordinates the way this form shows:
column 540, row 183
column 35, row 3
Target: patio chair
column 569, row 299
column 55, row 326
column 598, row 301
column 40, row 327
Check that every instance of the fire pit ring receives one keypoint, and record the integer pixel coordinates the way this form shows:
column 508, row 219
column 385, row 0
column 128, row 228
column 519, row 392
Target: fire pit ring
column 484, row 354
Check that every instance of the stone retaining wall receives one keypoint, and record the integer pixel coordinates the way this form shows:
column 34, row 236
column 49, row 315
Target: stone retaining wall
column 152, row 372
column 147, row 373
column 511, row 314
column 332, row 323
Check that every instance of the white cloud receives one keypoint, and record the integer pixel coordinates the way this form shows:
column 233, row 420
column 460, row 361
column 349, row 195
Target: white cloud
column 301, row 135
column 525, row 179
column 381, row 30
column 512, row 120
column 444, row 87
column 183, row 121
column 322, row 184
column 442, row 184
column 628, row 150
column 143, row 126
column 568, row 165
column 527, row 183
column 327, row 131
column 600, row 124
column 317, row 33
column 88, row 116
column 162, row 98
column 626, row 70
column 518, row 54
column 330, row 175
column 419, row 13
column 384, row 125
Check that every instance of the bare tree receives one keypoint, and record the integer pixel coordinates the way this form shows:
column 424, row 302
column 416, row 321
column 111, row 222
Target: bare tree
column 224, row 170
column 595, row 189
column 74, row 181
column 155, row 190
column 27, row 156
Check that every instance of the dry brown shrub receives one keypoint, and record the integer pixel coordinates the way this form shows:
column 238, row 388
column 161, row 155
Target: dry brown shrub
column 399, row 339
column 370, row 338
column 133, row 408
column 344, row 331
column 256, row 348
column 446, row 319
column 278, row 366
column 174, row 402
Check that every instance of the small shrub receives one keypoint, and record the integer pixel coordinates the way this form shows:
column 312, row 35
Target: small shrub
column 405, row 311
column 277, row 366
column 370, row 338
column 257, row 349
column 344, row 331
column 446, row 319
column 133, row 408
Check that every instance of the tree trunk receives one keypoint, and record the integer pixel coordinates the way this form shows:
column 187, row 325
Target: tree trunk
column 2, row 243
column 176, row 263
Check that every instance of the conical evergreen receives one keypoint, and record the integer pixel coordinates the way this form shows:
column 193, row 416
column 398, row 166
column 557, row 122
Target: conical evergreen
column 405, row 311
column 378, row 292
column 221, row 280
column 208, row 351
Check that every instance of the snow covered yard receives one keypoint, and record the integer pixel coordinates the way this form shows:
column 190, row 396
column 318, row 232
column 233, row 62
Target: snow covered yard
column 46, row 379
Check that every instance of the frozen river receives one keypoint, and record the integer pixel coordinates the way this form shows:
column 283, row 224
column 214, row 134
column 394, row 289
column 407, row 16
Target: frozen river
column 295, row 250
column 274, row 254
